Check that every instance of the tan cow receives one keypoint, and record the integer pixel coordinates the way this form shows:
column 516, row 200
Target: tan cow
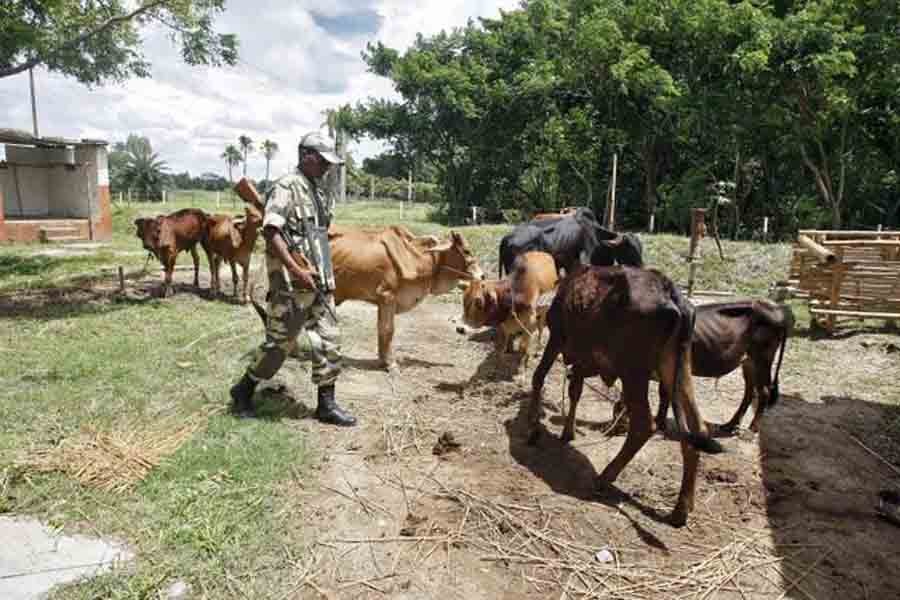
column 512, row 305
column 396, row 270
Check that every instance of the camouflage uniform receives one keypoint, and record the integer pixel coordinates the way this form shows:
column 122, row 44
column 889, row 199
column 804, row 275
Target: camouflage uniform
column 292, row 310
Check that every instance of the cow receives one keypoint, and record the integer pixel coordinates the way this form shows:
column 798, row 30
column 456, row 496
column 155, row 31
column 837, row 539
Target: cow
column 624, row 249
column 626, row 323
column 233, row 241
column 512, row 305
column 568, row 210
column 165, row 236
column 396, row 270
column 570, row 240
column 747, row 333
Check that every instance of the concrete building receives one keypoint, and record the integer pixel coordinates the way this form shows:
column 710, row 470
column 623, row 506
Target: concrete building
column 53, row 189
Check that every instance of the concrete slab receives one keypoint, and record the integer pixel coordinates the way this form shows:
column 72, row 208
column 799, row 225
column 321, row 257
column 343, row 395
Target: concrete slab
column 34, row 558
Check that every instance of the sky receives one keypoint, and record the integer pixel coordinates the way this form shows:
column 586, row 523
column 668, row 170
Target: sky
column 297, row 58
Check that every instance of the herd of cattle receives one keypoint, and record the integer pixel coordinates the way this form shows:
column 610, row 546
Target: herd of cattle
column 607, row 314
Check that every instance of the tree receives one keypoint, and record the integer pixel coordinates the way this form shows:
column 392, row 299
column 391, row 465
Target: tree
column 340, row 122
column 137, row 167
column 232, row 158
column 96, row 41
column 269, row 149
column 246, row 147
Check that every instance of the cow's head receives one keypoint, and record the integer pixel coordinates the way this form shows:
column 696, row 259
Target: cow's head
column 479, row 302
column 254, row 214
column 625, row 249
column 147, row 230
column 455, row 261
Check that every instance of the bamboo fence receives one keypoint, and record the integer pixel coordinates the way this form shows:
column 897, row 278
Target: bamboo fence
column 847, row 274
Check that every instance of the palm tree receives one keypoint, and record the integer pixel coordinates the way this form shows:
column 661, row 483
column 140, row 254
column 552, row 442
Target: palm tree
column 142, row 170
column 232, row 157
column 269, row 149
column 246, row 147
column 338, row 120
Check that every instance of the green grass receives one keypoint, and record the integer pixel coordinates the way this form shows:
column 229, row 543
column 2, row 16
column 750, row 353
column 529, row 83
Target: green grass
column 213, row 507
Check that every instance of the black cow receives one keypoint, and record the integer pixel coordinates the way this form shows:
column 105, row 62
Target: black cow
column 570, row 240
column 624, row 249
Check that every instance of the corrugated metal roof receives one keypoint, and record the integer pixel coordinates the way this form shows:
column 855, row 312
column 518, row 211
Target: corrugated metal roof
column 19, row 136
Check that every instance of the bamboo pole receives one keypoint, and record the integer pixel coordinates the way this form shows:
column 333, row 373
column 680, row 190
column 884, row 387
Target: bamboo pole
column 820, row 252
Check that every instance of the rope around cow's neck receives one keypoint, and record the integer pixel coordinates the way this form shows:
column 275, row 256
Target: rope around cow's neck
column 462, row 274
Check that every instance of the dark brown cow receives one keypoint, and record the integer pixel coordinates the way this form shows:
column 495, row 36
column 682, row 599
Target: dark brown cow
column 747, row 333
column 626, row 323
column 165, row 236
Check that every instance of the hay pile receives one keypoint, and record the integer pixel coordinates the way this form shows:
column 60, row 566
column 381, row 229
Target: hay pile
column 114, row 461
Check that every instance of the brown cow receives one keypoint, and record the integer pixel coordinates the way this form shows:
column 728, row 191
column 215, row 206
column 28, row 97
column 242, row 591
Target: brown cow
column 746, row 333
column 396, row 270
column 626, row 323
column 568, row 210
column 233, row 240
column 165, row 236
column 511, row 305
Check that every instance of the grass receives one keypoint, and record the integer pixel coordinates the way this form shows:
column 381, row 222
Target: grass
column 211, row 508
column 215, row 514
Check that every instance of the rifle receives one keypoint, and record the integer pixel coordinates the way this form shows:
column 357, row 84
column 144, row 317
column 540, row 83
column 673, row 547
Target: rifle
column 247, row 192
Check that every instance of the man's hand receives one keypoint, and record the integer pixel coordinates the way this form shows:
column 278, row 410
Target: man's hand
column 279, row 249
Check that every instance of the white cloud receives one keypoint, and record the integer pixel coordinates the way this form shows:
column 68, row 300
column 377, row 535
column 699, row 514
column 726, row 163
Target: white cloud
column 297, row 59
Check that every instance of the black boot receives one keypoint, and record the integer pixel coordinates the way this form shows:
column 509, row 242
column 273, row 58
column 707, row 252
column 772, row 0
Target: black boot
column 242, row 396
column 328, row 411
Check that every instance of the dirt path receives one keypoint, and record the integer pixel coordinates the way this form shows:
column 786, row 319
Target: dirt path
column 390, row 514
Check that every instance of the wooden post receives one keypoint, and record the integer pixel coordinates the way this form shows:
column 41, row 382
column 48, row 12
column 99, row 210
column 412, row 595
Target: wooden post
column 698, row 225
column 765, row 227
column 652, row 221
column 121, row 279
column 611, row 202
column 837, row 276
column 218, row 198
column 372, row 189
column 34, row 119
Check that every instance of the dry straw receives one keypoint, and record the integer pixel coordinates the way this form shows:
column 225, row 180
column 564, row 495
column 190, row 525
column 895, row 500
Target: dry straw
column 116, row 460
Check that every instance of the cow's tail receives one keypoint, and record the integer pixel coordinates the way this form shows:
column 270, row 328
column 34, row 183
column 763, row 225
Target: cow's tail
column 684, row 338
column 500, row 262
column 788, row 327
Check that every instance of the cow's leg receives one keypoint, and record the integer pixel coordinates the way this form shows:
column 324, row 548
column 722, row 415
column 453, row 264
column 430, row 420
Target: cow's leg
column 554, row 347
column 690, row 459
column 387, row 309
column 687, row 415
column 749, row 386
column 763, row 379
column 234, row 277
column 170, row 268
column 663, row 412
column 576, row 386
column 210, row 260
column 196, row 258
column 245, row 269
column 216, row 266
column 640, row 426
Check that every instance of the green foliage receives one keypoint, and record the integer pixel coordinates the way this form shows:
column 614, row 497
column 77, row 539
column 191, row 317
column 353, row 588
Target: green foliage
column 99, row 41
column 232, row 157
column 135, row 166
column 791, row 105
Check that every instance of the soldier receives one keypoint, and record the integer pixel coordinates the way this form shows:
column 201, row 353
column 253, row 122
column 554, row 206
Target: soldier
column 300, row 297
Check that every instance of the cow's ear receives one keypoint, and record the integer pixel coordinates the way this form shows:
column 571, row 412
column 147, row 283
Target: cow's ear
column 456, row 238
column 441, row 247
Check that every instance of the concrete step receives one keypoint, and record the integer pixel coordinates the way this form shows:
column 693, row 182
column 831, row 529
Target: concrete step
column 59, row 234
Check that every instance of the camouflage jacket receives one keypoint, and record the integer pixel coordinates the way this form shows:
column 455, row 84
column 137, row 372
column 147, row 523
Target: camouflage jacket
column 291, row 200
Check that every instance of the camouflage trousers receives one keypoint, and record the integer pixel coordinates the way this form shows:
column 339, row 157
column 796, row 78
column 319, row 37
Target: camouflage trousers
column 290, row 313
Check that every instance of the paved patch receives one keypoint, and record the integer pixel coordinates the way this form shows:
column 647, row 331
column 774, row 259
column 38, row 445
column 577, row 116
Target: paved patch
column 34, row 558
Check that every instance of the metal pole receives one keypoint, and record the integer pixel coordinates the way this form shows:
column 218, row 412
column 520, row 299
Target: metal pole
column 33, row 102
column 652, row 221
column 611, row 213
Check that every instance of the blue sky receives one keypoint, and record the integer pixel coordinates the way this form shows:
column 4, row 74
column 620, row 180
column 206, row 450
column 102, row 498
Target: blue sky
column 298, row 58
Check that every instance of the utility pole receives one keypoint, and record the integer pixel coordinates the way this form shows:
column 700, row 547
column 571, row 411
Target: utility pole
column 33, row 102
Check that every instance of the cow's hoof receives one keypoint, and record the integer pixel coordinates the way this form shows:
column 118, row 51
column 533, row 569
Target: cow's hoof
column 678, row 518
column 566, row 437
